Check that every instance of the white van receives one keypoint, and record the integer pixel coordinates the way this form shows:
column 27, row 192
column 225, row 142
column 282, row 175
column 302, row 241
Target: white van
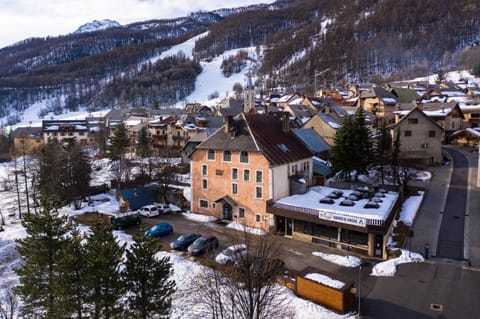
column 148, row 211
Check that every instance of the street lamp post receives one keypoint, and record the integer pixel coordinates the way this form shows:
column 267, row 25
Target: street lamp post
column 359, row 290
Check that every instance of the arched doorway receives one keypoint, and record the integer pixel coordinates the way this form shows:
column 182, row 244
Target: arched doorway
column 227, row 211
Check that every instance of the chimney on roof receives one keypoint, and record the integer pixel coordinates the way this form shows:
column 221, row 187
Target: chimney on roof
column 230, row 126
column 286, row 122
column 420, row 106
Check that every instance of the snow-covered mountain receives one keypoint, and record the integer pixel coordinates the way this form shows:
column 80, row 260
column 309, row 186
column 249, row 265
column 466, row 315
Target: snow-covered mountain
column 97, row 25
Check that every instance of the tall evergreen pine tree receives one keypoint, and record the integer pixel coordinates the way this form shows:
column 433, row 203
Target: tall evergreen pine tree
column 72, row 275
column 40, row 252
column 103, row 279
column 352, row 149
column 147, row 279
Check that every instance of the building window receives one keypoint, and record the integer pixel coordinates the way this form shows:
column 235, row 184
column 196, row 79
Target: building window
column 227, row 156
column 413, row 121
column 258, row 218
column 243, row 157
column 234, row 173
column 234, row 188
column 241, row 212
column 214, row 205
column 408, row 133
column 246, row 175
column 204, row 170
column 431, row 133
column 204, row 183
column 258, row 192
column 203, row 203
column 211, row 155
column 259, row 176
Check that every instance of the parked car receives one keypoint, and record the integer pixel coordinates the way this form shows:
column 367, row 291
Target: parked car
column 160, row 229
column 231, row 254
column 148, row 211
column 184, row 241
column 163, row 208
column 203, row 244
column 123, row 221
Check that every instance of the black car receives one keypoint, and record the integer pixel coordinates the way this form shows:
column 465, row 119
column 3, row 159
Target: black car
column 184, row 241
column 203, row 244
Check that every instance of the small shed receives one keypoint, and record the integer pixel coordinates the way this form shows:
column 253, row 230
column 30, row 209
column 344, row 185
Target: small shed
column 134, row 198
column 325, row 292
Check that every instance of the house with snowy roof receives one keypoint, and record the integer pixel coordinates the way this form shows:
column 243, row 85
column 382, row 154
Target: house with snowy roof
column 379, row 102
column 325, row 125
column 66, row 131
column 357, row 219
column 447, row 115
column 250, row 160
column 471, row 113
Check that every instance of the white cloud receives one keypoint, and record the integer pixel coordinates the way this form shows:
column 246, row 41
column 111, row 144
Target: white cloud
column 21, row 19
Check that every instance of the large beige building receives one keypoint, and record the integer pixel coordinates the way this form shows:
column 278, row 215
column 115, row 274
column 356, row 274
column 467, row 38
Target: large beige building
column 252, row 159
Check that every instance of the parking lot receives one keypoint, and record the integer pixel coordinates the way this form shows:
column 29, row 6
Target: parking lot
column 296, row 255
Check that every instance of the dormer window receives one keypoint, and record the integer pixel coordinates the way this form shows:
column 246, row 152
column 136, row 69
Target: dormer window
column 244, row 157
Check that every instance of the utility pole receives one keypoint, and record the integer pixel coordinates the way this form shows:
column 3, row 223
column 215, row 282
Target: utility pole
column 359, row 290
column 16, row 187
column 25, row 173
column 315, row 74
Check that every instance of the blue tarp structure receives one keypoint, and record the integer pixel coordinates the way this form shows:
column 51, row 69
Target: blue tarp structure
column 137, row 197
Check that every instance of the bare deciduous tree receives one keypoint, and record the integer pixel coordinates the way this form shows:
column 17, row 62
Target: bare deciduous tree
column 247, row 289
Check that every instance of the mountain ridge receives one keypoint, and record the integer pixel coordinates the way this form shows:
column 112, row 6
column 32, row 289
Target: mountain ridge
column 365, row 40
column 97, row 25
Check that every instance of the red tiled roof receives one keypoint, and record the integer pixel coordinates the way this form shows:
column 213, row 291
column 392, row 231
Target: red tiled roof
column 278, row 147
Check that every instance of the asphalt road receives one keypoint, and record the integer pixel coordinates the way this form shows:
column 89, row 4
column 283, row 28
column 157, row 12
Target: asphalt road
column 451, row 235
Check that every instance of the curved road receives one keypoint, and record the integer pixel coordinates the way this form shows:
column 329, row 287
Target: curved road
column 450, row 238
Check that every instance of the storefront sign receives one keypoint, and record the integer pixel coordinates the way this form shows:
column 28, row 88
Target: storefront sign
column 344, row 219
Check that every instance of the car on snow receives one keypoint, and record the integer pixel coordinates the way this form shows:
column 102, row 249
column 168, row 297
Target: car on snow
column 185, row 240
column 231, row 254
column 148, row 211
column 203, row 244
column 160, row 229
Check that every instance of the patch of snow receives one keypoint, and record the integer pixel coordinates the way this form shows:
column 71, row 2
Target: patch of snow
column 410, row 208
column 240, row 227
column 388, row 268
column 346, row 261
column 199, row 217
column 325, row 280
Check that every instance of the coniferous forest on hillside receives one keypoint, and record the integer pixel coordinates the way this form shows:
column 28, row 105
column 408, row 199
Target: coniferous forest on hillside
column 345, row 41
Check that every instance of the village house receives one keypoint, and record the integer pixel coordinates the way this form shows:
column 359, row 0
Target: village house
column 66, row 131
column 420, row 138
column 27, row 140
column 252, row 159
column 325, row 125
column 380, row 103
column 471, row 115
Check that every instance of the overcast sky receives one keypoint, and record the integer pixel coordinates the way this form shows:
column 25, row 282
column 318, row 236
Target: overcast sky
column 22, row 19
